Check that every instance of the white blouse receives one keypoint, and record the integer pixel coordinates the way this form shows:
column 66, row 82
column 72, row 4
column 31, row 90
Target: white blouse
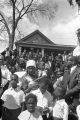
column 26, row 115
column 60, row 109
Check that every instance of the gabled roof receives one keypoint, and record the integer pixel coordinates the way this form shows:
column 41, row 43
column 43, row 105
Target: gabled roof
column 36, row 37
column 38, row 40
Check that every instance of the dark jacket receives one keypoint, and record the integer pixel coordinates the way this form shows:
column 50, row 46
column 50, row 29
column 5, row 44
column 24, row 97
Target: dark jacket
column 0, row 77
column 74, row 87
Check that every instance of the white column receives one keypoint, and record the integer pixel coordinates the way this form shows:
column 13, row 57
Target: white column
column 42, row 50
column 19, row 50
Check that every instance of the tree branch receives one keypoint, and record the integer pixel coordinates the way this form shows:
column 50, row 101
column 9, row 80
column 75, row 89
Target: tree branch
column 2, row 29
column 27, row 8
column 20, row 16
column 5, row 23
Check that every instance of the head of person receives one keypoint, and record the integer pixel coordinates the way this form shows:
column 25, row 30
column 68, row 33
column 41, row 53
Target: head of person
column 78, row 35
column 59, row 73
column 31, row 102
column 5, row 64
column 43, row 84
column 24, row 85
column 65, row 52
column 59, row 93
column 41, row 65
column 66, row 67
column 14, row 81
column 31, row 67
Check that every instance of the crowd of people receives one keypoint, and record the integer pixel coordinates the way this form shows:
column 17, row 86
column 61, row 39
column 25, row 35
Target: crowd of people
column 33, row 87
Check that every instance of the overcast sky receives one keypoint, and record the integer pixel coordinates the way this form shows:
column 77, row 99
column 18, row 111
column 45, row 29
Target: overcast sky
column 62, row 29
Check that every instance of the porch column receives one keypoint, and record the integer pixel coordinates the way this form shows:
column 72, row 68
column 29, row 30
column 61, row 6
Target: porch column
column 20, row 50
column 42, row 50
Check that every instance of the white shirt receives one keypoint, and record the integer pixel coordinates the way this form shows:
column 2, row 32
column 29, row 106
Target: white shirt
column 26, row 115
column 44, row 100
column 60, row 109
column 30, row 80
column 20, row 74
column 41, row 73
column 76, row 51
column 6, row 75
column 78, row 111
column 64, row 57
column 73, row 68
column 13, row 98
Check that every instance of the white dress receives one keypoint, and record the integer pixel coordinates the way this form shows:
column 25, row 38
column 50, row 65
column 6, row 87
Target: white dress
column 26, row 115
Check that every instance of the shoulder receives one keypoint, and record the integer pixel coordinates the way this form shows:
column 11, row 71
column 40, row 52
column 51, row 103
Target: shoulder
column 64, row 103
column 7, row 91
column 24, row 115
column 35, row 91
column 20, row 92
column 37, row 114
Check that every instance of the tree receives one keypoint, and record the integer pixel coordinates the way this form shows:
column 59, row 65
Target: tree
column 71, row 2
column 20, row 8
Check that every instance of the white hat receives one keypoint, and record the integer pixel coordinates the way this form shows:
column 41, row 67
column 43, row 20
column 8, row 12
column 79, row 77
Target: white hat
column 30, row 63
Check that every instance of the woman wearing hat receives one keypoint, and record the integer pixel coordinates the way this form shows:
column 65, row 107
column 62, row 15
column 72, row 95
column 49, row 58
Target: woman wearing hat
column 30, row 75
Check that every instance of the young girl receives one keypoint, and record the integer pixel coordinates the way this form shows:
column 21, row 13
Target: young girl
column 60, row 108
column 31, row 113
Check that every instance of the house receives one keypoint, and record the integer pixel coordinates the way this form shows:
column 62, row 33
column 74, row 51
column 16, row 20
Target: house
column 38, row 41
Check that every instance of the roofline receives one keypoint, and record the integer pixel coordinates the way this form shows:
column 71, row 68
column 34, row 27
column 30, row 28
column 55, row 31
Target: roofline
column 26, row 37
column 55, row 47
column 58, row 45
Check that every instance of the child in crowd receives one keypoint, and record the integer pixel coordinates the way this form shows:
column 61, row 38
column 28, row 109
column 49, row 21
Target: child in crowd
column 31, row 113
column 59, row 76
column 12, row 98
column 41, row 69
column 45, row 99
column 60, row 108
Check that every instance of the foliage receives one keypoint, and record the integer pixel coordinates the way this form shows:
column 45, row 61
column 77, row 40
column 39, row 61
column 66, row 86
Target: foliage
column 13, row 11
column 71, row 2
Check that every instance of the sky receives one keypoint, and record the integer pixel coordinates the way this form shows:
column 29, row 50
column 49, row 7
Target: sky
column 61, row 30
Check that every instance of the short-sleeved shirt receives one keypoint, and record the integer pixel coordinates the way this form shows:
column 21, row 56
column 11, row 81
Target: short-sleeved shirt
column 13, row 98
column 44, row 100
column 60, row 109
column 6, row 75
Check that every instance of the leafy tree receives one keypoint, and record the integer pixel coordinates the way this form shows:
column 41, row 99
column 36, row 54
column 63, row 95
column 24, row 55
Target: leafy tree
column 9, row 24
column 71, row 2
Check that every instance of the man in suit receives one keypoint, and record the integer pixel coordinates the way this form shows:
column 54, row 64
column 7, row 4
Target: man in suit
column 73, row 91
column 1, row 90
